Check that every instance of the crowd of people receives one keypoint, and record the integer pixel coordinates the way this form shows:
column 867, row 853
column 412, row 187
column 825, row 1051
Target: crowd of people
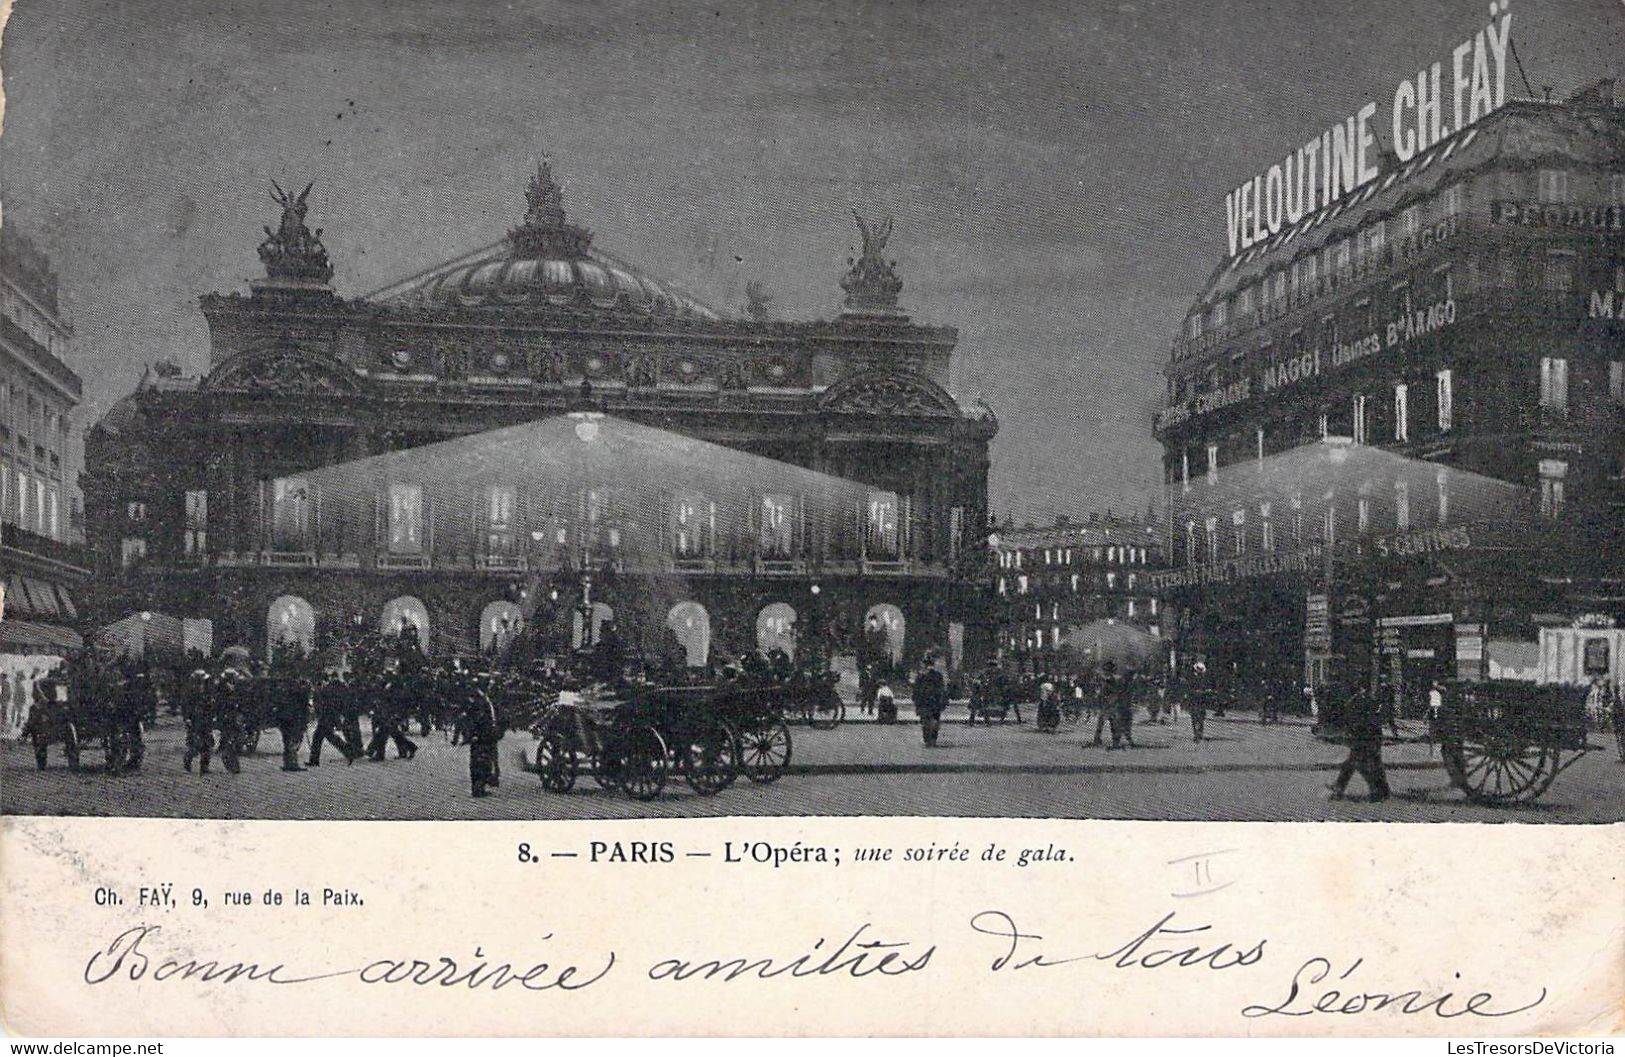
column 94, row 703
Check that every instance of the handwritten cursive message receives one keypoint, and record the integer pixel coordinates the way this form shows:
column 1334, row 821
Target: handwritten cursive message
column 993, row 943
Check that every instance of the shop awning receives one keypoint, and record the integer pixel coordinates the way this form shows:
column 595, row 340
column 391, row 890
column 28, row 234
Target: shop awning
column 28, row 636
column 29, row 596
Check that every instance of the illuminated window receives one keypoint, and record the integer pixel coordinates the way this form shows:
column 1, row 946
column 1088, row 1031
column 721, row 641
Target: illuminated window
column 1212, row 539
column 133, row 551
column 52, row 526
column 1402, row 505
column 290, row 513
column 1297, row 518
column 501, row 502
column 134, row 511
column 1450, row 201
column 881, row 538
column 1616, row 381
column 693, row 524
column 1410, row 222
column 1360, row 405
column 1554, row 185
column 406, row 519
column 195, row 541
column 1552, row 473
column 1190, row 543
column 1402, row 428
column 1221, row 311
column 1238, row 521
column 1363, row 508
column 1554, row 383
column 1212, row 463
column 23, row 490
column 1446, row 400
column 1558, row 276
column 1441, row 481
column 1185, row 469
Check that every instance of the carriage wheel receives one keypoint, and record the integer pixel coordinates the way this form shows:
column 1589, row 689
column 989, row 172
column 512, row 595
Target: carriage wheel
column 764, row 751
column 606, row 769
column 643, row 763
column 1501, row 769
column 555, row 763
column 825, row 712
column 711, row 760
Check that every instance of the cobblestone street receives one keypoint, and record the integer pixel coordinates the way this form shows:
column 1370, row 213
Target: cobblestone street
column 1242, row 771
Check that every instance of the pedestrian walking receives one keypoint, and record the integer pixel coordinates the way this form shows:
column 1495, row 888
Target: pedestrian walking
column 290, row 707
column 391, row 707
column 1196, row 700
column 1364, row 734
column 483, row 727
column 1122, row 718
column 1105, row 689
column 197, row 713
column 228, row 717
column 330, row 722
column 128, row 747
column 930, row 698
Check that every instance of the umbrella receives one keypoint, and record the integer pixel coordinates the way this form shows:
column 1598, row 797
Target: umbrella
column 1126, row 646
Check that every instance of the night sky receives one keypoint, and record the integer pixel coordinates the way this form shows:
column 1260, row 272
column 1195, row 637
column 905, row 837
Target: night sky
column 1056, row 171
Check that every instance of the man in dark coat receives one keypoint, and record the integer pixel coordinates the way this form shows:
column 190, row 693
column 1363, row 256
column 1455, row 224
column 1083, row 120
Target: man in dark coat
column 391, row 708
column 1363, row 722
column 930, row 698
column 330, row 720
column 1122, row 706
column 1199, row 692
column 197, row 712
column 483, row 727
column 228, row 716
column 135, row 700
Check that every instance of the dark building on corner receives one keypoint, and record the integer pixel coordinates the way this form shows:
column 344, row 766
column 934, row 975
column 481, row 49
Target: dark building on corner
column 205, row 505
column 1395, row 432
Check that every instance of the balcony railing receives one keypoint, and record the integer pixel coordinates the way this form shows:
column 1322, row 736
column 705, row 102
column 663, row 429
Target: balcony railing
column 22, row 541
column 745, row 565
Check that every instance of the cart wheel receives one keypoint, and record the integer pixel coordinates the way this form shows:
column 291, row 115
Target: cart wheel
column 764, row 751
column 710, row 760
column 555, row 763
column 643, row 763
column 1503, row 769
column 606, row 769
column 826, row 711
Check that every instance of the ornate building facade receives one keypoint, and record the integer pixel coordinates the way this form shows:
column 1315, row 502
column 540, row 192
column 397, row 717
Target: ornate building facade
column 1450, row 332
column 205, row 507
column 1052, row 579
column 42, row 557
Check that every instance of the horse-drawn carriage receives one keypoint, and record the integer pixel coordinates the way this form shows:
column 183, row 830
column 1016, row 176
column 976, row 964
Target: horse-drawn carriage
column 635, row 740
column 1506, row 742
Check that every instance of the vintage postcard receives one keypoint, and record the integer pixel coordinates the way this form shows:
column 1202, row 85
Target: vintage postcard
column 835, row 518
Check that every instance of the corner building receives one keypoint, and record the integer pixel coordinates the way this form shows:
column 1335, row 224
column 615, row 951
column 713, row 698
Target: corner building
column 1464, row 312
column 205, row 506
